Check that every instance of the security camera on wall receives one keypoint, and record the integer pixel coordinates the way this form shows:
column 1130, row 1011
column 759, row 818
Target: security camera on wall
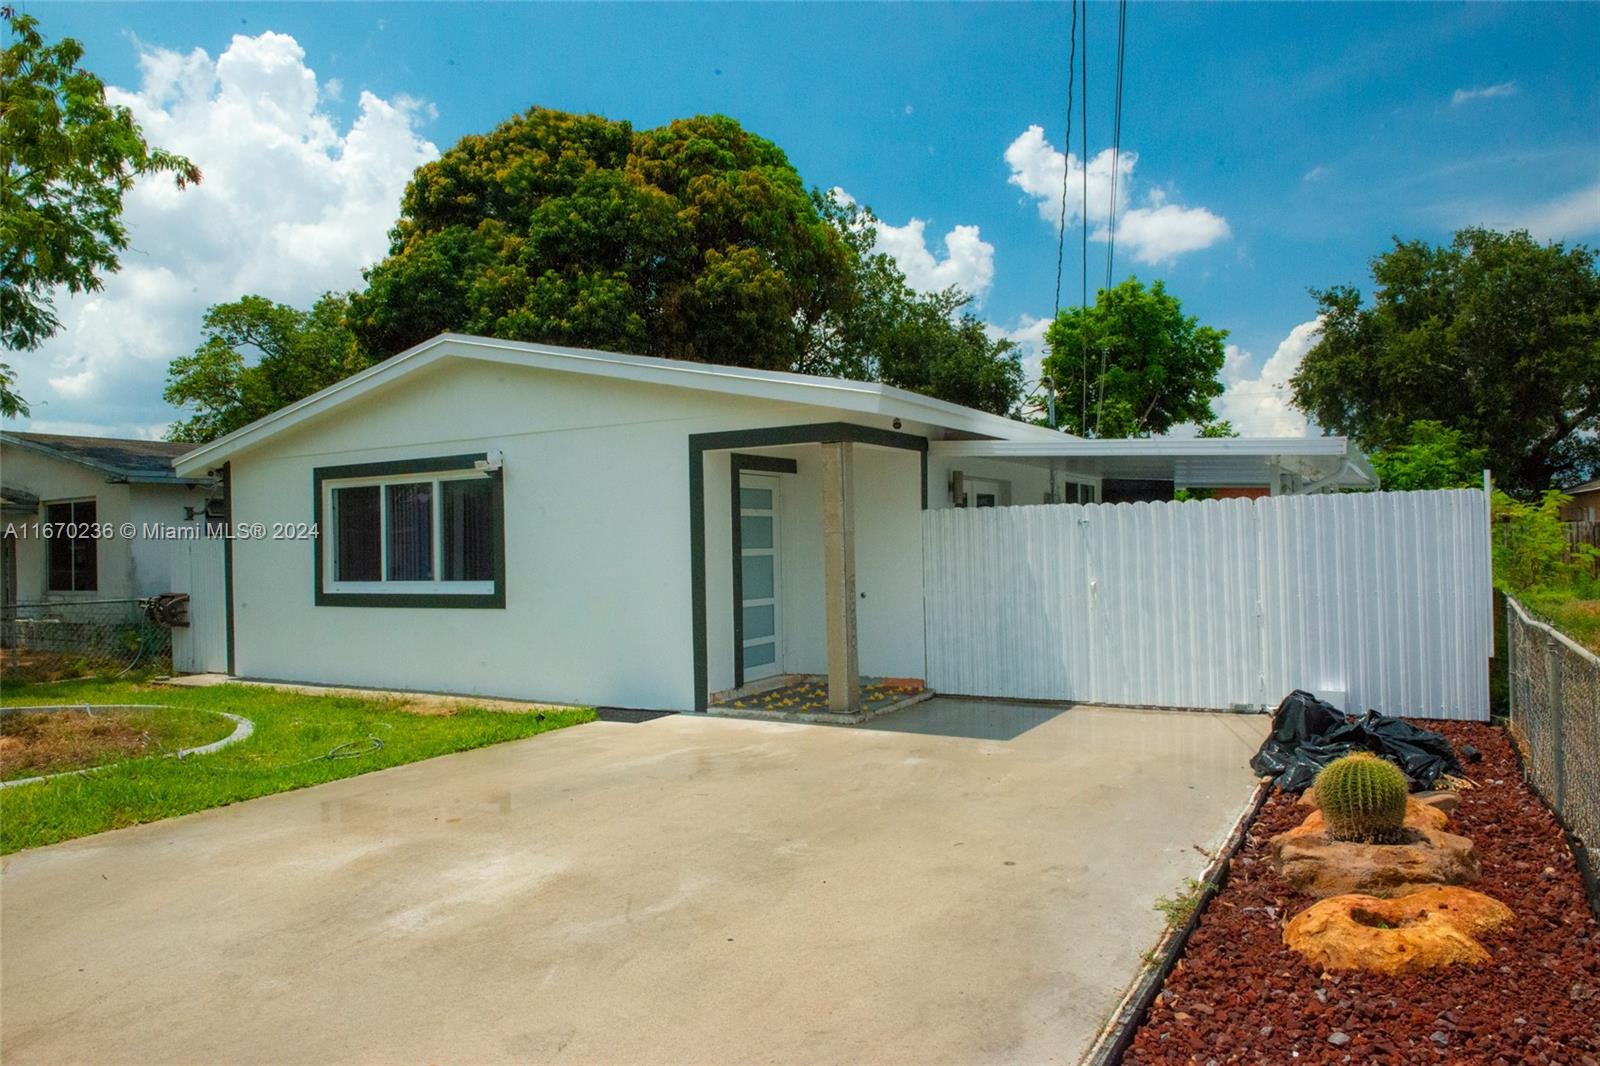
column 491, row 462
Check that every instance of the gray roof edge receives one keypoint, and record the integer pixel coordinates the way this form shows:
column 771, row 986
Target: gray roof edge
column 113, row 472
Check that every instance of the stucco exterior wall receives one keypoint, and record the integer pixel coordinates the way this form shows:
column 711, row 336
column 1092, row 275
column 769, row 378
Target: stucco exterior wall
column 1030, row 484
column 597, row 541
column 127, row 568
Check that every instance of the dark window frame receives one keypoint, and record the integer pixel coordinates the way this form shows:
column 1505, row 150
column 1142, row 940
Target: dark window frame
column 397, row 469
column 73, row 543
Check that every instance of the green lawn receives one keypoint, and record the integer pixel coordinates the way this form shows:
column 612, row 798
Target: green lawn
column 1578, row 618
column 294, row 736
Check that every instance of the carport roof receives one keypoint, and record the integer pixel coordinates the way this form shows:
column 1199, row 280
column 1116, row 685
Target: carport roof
column 1238, row 461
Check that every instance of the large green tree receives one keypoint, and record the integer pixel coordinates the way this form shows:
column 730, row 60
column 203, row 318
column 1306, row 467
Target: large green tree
column 1134, row 364
column 1494, row 335
column 934, row 346
column 67, row 158
column 697, row 240
column 886, row 331
column 255, row 357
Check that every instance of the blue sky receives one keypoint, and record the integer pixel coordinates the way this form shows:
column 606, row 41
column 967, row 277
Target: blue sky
column 1277, row 146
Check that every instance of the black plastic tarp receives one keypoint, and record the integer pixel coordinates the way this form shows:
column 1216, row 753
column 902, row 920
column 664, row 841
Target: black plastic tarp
column 1308, row 734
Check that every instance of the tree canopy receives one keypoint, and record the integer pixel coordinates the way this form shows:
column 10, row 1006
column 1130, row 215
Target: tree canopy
column 258, row 356
column 1432, row 456
column 697, row 240
column 1493, row 335
column 67, row 158
column 1160, row 365
column 933, row 346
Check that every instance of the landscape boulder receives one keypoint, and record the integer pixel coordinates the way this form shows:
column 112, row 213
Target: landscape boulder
column 1426, row 855
column 1429, row 928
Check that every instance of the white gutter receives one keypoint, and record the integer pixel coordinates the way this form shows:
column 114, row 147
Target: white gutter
column 1144, row 447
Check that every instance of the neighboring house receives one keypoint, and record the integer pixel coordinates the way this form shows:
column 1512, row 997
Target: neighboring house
column 501, row 518
column 82, row 486
column 1585, row 505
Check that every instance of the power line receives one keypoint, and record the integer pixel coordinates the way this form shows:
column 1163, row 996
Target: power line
column 1111, row 221
column 1083, row 219
column 1116, row 145
column 1066, row 160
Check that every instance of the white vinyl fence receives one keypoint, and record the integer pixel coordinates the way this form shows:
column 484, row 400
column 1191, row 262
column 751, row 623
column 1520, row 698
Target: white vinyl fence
column 1377, row 600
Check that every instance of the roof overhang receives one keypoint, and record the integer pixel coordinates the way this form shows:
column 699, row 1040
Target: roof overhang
column 18, row 501
column 114, row 474
column 861, row 397
column 1315, row 463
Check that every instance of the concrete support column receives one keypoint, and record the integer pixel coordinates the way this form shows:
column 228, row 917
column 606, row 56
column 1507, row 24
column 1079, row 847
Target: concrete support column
column 839, row 569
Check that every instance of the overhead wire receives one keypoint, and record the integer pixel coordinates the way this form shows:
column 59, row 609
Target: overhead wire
column 1066, row 168
column 1111, row 219
column 1083, row 219
column 1061, row 223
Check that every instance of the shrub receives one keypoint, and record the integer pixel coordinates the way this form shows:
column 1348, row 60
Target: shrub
column 1530, row 546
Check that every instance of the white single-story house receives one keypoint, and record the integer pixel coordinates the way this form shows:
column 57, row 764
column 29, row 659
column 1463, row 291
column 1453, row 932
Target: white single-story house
column 81, row 487
column 529, row 521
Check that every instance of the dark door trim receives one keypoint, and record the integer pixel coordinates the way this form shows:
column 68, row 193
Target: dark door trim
column 772, row 437
column 227, row 564
column 738, row 463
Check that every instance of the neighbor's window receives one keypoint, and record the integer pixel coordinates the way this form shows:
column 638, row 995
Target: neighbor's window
column 74, row 551
column 427, row 533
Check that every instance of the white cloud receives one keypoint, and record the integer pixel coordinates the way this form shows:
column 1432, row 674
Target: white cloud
column 291, row 206
column 1486, row 92
column 1156, row 232
column 1577, row 214
column 1316, row 173
column 968, row 259
column 1259, row 406
column 1164, row 232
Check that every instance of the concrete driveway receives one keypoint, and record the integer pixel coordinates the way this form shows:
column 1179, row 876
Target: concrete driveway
column 686, row 890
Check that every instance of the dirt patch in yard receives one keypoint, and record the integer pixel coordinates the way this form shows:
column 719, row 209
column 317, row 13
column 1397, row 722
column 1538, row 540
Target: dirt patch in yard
column 35, row 743
column 1238, row 995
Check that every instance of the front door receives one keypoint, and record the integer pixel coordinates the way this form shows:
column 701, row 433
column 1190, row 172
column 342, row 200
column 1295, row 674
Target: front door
column 759, row 576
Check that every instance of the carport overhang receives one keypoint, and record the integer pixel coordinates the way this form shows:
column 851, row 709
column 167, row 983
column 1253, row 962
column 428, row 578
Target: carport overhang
column 1282, row 465
column 837, row 442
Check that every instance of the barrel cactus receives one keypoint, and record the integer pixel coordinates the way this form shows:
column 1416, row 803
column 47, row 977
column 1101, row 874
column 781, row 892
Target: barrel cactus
column 1362, row 798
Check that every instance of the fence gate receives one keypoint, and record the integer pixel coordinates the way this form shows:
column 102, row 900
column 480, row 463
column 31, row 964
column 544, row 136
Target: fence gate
column 1380, row 599
column 202, row 646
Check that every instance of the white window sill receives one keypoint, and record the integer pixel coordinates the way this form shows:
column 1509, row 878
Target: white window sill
column 412, row 588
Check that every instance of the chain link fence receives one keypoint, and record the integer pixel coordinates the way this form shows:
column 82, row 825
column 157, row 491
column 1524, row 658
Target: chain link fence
column 51, row 641
column 1555, row 715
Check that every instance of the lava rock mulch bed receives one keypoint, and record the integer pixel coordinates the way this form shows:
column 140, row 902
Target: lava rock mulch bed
column 1239, row 995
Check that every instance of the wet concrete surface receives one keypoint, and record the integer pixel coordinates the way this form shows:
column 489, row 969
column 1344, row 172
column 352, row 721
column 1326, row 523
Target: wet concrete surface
column 688, row 889
column 971, row 719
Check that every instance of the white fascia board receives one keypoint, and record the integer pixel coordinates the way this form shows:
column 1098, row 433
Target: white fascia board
column 860, row 397
column 1151, row 447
